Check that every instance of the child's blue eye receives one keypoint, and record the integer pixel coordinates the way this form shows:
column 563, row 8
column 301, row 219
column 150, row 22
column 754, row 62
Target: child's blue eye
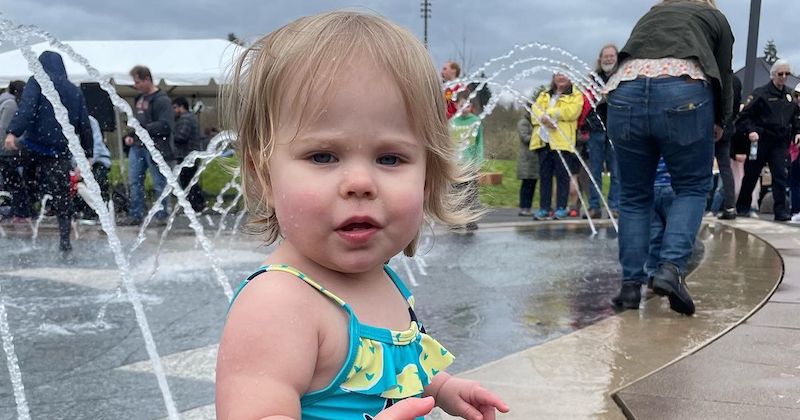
column 322, row 158
column 389, row 160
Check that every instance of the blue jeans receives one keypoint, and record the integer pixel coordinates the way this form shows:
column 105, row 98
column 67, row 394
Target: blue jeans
column 139, row 161
column 661, row 204
column 671, row 117
column 600, row 151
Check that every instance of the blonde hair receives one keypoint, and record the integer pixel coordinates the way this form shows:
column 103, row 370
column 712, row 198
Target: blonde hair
column 319, row 45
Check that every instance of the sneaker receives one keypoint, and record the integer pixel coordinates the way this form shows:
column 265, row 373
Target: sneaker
column 471, row 226
column 129, row 221
column 525, row 212
column 629, row 296
column 561, row 213
column 572, row 213
column 753, row 213
column 727, row 214
column 594, row 214
column 667, row 281
column 795, row 218
column 782, row 218
column 543, row 214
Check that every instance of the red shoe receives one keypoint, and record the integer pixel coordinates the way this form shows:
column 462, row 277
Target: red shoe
column 572, row 213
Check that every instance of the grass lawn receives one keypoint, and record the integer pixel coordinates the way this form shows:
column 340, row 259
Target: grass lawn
column 507, row 193
column 212, row 180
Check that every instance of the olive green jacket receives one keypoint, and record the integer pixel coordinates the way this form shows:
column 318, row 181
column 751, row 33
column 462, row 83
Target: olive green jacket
column 688, row 30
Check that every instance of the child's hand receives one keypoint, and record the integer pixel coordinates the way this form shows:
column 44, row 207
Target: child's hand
column 469, row 400
column 407, row 409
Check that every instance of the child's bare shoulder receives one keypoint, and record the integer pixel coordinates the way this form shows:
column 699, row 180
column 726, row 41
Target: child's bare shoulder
column 269, row 346
column 274, row 294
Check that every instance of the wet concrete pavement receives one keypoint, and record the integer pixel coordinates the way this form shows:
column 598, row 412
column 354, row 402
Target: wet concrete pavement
column 523, row 305
column 753, row 376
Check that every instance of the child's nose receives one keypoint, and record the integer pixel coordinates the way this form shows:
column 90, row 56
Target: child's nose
column 358, row 182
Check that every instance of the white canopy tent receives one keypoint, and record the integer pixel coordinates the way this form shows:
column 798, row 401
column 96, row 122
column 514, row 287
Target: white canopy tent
column 184, row 67
column 192, row 67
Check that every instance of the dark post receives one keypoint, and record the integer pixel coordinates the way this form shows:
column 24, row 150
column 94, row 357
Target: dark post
column 425, row 12
column 752, row 44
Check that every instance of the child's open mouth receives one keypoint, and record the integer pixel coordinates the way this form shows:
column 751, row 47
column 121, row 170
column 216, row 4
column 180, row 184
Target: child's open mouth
column 357, row 226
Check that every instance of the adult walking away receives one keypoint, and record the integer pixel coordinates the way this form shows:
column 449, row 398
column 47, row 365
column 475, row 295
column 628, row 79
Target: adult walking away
column 153, row 109
column 527, row 167
column 187, row 140
column 670, row 96
column 723, row 152
column 12, row 160
column 769, row 118
column 601, row 152
column 44, row 140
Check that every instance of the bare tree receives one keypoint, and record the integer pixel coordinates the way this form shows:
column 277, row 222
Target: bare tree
column 462, row 53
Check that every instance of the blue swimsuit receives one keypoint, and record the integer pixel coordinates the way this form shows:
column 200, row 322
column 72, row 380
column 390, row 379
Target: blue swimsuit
column 382, row 365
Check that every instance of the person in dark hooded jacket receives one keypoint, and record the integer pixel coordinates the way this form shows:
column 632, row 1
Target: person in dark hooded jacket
column 44, row 139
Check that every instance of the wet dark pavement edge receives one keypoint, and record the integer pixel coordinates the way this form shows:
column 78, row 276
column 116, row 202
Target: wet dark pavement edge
column 749, row 371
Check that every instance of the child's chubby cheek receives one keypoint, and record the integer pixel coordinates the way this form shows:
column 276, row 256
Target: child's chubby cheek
column 299, row 206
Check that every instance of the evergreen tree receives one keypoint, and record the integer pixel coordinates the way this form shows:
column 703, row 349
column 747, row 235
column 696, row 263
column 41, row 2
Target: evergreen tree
column 771, row 52
column 235, row 39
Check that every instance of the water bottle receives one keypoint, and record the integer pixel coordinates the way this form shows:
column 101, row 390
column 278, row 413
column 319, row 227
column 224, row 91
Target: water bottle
column 753, row 150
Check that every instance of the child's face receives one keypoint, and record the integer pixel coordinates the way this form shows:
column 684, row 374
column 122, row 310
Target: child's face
column 348, row 191
column 465, row 107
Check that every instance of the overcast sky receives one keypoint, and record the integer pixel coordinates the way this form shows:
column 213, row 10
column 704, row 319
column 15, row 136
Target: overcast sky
column 470, row 31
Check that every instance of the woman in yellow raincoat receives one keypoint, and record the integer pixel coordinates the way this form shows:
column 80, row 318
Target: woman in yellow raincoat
column 554, row 116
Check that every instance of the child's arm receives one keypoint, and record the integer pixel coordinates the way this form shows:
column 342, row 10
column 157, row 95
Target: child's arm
column 268, row 352
column 464, row 398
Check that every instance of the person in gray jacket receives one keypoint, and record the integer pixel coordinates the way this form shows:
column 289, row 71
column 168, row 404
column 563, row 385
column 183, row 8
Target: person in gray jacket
column 187, row 140
column 11, row 161
column 527, row 167
column 153, row 109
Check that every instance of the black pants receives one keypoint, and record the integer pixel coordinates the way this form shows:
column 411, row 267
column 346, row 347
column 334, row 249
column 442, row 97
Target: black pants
column 550, row 164
column 722, row 152
column 194, row 195
column 774, row 154
column 53, row 178
column 14, row 183
column 526, row 191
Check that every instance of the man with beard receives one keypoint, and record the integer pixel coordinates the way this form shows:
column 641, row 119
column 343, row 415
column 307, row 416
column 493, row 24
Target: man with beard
column 601, row 154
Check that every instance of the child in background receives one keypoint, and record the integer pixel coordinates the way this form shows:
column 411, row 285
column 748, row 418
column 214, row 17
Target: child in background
column 467, row 133
column 344, row 147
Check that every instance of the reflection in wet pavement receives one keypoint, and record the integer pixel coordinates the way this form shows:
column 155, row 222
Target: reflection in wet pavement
column 571, row 376
column 495, row 292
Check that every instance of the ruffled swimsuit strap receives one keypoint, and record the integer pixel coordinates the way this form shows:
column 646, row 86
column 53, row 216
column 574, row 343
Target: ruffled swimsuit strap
column 297, row 273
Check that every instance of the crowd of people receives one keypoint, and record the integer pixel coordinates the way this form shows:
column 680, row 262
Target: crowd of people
column 667, row 129
column 35, row 159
